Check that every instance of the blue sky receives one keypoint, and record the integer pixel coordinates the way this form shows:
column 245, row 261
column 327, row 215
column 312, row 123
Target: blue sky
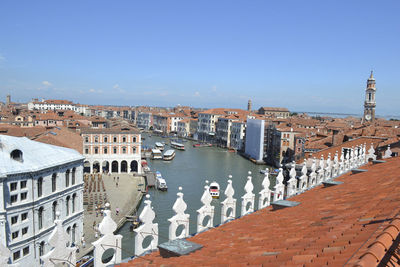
column 304, row 55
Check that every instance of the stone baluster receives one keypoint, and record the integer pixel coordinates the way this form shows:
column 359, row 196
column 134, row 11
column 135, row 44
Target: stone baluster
column 347, row 161
column 328, row 168
column 206, row 211
column 148, row 228
column 180, row 218
column 228, row 208
column 360, row 155
column 303, row 178
column 313, row 175
column 364, row 152
column 107, row 241
column 388, row 153
column 265, row 193
column 341, row 164
column 321, row 171
column 291, row 188
column 371, row 153
column 61, row 253
column 279, row 186
column 335, row 169
column 248, row 197
column 352, row 158
column 5, row 255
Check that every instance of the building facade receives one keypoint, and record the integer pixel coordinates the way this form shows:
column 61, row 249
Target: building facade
column 36, row 181
column 116, row 150
column 274, row 112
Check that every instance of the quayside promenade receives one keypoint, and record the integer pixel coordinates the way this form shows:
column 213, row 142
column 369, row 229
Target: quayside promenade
column 100, row 189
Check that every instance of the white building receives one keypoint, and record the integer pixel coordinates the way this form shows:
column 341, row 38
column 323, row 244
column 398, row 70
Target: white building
column 255, row 139
column 116, row 150
column 52, row 105
column 36, row 180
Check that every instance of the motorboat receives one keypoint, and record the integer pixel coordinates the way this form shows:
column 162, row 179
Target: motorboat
column 178, row 146
column 161, row 184
column 159, row 146
column 156, row 154
column 202, row 145
column 214, row 190
column 169, row 155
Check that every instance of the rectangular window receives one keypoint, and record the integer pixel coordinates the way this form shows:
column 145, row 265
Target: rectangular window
column 24, row 216
column 86, row 150
column 24, row 195
column 14, row 198
column 23, row 184
column 24, row 230
column 14, row 235
column 13, row 186
column 16, row 255
column 14, row 219
column 25, row 251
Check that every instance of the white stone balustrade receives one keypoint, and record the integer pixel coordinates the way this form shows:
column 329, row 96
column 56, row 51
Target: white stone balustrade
column 265, row 193
column 61, row 254
column 371, row 153
column 279, row 186
column 328, row 168
column 335, row 168
column 312, row 180
column 388, row 153
column 321, row 171
column 179, row 219
column 291, row 188
column 228, row 208
column 148, row 229
column 248, row 197
column 341, row 164
column 303, row 185
column 107, row 241
column 206, row 212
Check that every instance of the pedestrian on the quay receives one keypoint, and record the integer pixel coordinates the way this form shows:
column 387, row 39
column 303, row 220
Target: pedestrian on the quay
column 94, row 225
column 116, row 184
column 118, row 179
column 117, row 211
column 96, row 235
column 114, row 178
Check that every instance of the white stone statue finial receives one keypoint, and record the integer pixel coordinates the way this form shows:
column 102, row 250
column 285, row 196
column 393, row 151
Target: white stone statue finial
column 148, row 228
column 180, row 218
column 229, row 204
column 205, row 211
column 248, row 197
column 265, row 193
column 279, row 186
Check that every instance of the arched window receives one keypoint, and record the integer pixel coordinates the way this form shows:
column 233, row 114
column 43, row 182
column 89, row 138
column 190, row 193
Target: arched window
column 105, row 150
column 73, row 176
column 123, row 139
column 41, row 248
column 73, row 203
column 96, row 139
column 133, row 150
column 67, row 178
column 40, row 218
column 73, row 233
column 96, row 150
column 54, row 182
column 54, row 210
column 105, row 139
column 114, row 139
column 67, row 206
column 86, row 139
column 134, row 139
column 40, row 187
column 16, row 154
column 124, row 150
column 115, row 150
column 69, row 234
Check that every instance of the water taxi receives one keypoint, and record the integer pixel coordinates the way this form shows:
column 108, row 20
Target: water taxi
column 202, row 145
column 161, row 184
column 178, row 146
column 169, row 155
column 156, row 154
column 214, row 190
column 159, row 146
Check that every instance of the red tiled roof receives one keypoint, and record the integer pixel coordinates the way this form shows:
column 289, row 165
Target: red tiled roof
column 332, row 226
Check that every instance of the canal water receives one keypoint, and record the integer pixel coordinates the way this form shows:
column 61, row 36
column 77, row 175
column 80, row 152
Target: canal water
column 189, row 170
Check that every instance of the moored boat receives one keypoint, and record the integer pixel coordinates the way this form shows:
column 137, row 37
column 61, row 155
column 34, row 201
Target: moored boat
column 202, row 145
column 161, row 184
column 214, row 190
column 169, row 155
column 178, row 146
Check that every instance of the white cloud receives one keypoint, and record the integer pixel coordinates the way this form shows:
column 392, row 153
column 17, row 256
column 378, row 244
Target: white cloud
column 2, row 58
column 214, row 88
column 196, row 94
column 116, row 86
column 47, row 83
column 92, row 90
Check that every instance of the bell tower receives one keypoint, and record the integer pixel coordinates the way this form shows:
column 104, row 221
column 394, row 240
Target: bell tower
column 370, row 103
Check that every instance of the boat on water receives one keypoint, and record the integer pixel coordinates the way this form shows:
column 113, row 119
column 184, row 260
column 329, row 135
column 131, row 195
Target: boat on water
column 178, row 146
column 272, row 172
column 214, row 190
column 159, row 146
column 145, row 166
column 202, row 145
column 156, row 154
column 161, row 183
column 134, row 221
column 169, row 155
